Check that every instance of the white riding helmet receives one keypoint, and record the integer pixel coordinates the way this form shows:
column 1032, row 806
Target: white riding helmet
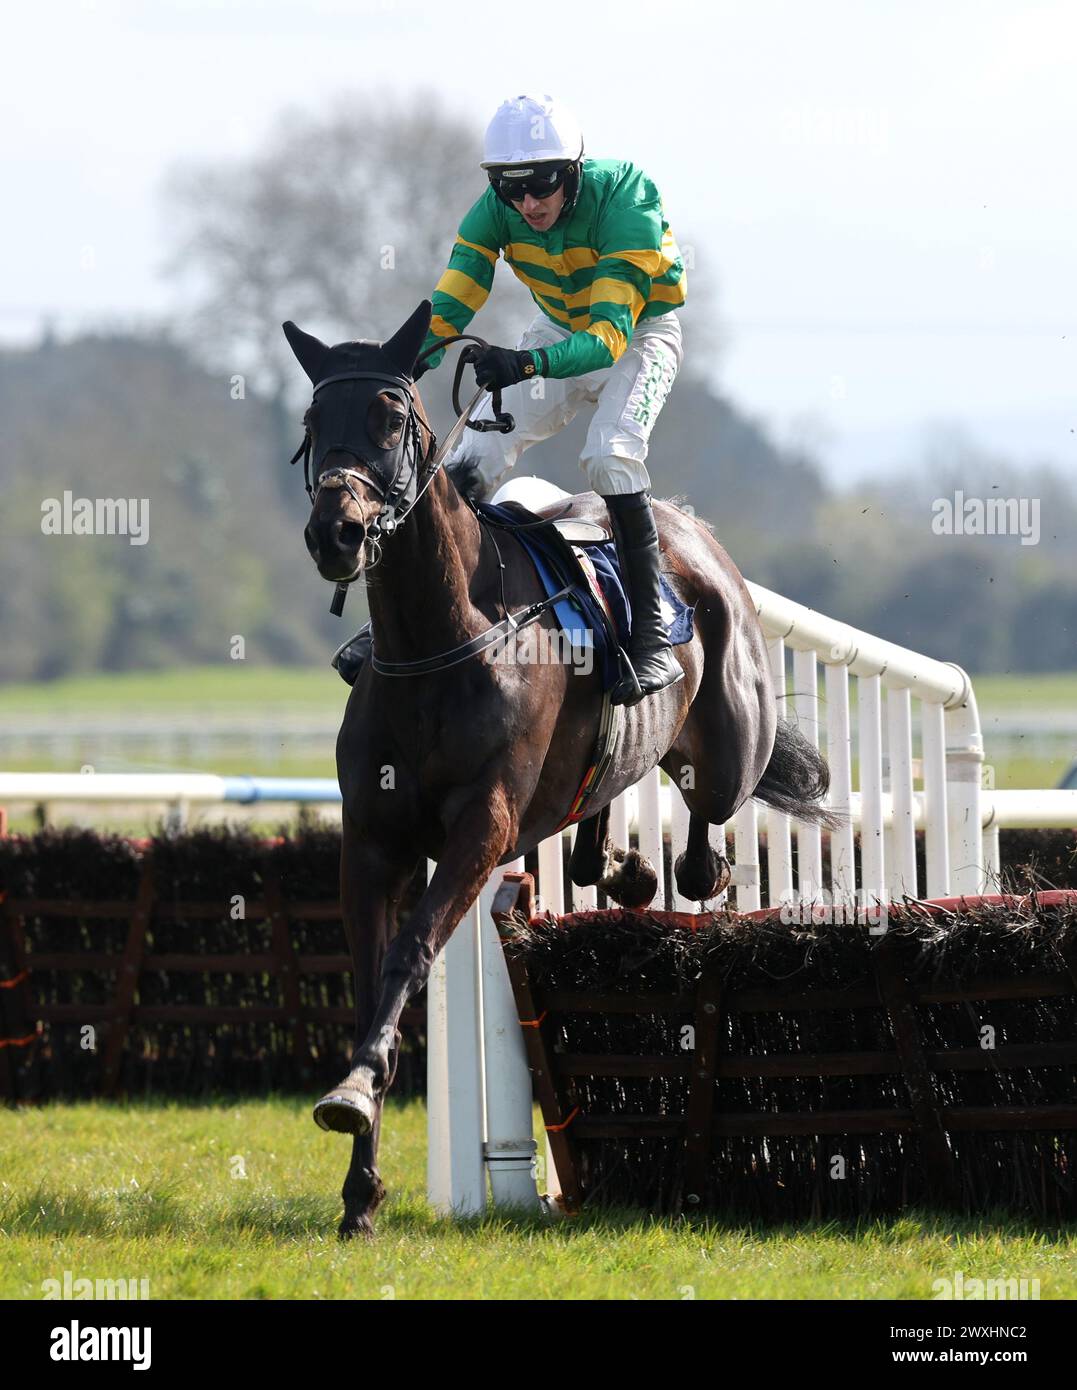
column 531, row 130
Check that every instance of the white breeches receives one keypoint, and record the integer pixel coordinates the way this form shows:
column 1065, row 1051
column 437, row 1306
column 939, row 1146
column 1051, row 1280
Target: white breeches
column 627, row 398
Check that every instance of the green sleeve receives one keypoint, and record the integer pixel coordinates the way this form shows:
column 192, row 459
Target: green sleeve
column 463, row 287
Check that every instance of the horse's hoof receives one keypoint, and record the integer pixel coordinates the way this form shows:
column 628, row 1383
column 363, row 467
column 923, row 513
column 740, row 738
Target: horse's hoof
column 346, row 1110
column 634, row 883
column 353, row 1227
column 702, row 881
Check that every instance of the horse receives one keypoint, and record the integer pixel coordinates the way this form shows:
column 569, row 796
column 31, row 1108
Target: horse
column 449, row 754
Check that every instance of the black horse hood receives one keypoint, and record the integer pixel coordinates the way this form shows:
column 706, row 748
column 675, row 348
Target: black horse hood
column 347, row 378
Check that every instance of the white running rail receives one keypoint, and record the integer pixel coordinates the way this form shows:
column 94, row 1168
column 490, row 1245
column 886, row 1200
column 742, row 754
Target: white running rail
column 889, row 783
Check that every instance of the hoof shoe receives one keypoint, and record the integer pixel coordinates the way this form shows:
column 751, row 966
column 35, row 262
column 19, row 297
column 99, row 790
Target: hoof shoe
column 345, row 1111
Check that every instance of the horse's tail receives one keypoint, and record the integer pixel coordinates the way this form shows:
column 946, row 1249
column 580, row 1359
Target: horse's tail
column 797, row 779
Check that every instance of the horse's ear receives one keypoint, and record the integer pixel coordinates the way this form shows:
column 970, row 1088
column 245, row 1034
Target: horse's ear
column 310, row 351
column 403, row 347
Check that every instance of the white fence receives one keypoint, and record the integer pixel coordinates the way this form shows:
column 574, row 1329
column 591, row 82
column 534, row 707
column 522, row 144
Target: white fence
column 479, row 1091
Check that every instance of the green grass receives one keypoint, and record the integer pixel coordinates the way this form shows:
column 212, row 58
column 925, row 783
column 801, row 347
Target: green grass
column 232, row 685
column 236, row 685
column 1013, row 693
column 147, row 1191
column 1014, row 773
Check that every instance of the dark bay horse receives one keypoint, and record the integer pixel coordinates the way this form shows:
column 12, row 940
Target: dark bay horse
column 475, row 761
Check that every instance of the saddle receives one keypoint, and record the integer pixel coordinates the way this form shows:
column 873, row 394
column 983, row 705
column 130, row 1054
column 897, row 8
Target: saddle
column 579, row 555
column 576, row 530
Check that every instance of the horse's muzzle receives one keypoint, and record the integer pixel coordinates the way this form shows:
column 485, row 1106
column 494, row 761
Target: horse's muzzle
column 336, row 546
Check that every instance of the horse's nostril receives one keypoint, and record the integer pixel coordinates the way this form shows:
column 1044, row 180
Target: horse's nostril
column 350, row 535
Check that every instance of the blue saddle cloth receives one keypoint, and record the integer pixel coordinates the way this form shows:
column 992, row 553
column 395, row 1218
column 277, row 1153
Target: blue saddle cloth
column 580, row 615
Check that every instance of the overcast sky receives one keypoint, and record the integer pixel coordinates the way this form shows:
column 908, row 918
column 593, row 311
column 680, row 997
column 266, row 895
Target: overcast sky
column 885, row 187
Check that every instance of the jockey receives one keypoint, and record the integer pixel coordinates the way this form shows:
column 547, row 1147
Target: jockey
column 589, row 240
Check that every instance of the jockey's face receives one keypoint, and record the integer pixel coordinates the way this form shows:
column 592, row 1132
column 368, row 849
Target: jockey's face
column 541, row 213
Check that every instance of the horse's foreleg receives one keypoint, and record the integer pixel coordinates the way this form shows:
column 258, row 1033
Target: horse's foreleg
column 371, row 886
column 480, row 835
column 591, row 849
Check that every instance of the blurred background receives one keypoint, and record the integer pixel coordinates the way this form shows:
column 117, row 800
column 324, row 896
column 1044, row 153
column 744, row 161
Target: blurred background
column 877, row 212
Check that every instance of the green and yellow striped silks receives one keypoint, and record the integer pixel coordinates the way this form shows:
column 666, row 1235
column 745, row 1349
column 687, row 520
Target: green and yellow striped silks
column 611, row 263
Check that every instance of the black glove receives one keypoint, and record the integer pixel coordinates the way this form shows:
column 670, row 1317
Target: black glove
column 420, row 369
column 496, row 368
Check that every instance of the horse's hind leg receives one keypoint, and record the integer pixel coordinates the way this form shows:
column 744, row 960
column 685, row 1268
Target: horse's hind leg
column 725, row 742
column 701, row 873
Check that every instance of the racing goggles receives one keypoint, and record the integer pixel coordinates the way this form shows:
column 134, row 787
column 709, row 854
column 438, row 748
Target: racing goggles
column 539, row 181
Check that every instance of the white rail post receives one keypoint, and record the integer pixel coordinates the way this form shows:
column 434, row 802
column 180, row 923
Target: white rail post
column 551, row 892
column 936, row 832
column 619, row 833
column 509, row 1149
column 679, row 819
column 723, row 849
column 872, row 866
column 992, row 857
column 746, row 857
column 650, row 828
column 839, row 746
column 455, row 1175
column 779, row 843
column 551, row 875
column 809, row 837
column 901, row 871
column 964, row 776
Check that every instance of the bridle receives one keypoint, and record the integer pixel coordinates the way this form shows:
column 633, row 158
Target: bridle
column 410, row 469
column 391, row 494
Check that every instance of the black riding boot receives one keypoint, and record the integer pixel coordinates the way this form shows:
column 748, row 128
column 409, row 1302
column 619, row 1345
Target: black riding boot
column 649, row 647
column 348, row 660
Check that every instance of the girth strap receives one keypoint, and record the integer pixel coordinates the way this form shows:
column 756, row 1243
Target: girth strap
column 513, row 622
column 601, row 758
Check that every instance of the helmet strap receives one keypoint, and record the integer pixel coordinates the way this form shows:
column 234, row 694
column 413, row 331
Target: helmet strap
column 571, row 185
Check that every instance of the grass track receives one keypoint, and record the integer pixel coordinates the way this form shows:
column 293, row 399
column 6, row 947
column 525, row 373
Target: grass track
column 147, row 1191
column 232, row 685
column 235, row 685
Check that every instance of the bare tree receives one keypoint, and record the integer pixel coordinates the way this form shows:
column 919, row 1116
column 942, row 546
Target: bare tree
column 342, row 221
